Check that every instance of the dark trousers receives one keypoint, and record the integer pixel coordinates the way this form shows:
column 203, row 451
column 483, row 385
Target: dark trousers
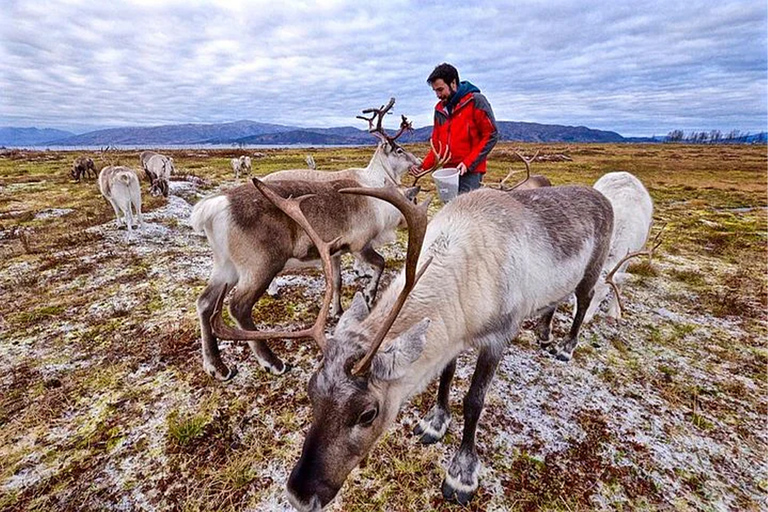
column 469, row 182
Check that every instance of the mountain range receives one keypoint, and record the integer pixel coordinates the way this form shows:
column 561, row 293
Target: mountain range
column 253, row 133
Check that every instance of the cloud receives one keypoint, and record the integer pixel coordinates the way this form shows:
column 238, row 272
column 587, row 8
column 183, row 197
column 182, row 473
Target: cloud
column 639, row 68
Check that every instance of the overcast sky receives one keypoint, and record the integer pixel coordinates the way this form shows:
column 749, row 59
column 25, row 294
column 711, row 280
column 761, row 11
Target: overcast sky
column 638, row 68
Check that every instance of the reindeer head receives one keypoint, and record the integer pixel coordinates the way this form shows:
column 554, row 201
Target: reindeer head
column 350, row 411
column 159, row 185
column 352, row 393
column 392, row 154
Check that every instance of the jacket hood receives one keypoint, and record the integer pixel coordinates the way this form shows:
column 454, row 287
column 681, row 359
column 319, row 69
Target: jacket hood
column 465, row 88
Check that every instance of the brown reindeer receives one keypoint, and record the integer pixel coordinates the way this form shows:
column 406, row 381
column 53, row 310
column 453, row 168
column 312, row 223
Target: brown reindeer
column 252, row 241
column 530, row 182
column 83, row 167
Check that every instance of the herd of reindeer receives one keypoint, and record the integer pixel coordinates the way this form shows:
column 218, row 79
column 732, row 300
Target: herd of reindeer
column 487, row 260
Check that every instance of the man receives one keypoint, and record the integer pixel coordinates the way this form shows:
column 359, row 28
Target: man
column 464, row 123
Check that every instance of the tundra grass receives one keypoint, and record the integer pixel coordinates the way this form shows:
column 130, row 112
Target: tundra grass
column 104, row 403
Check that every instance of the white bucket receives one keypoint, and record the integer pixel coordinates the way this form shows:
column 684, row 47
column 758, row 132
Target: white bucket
column 447, row 183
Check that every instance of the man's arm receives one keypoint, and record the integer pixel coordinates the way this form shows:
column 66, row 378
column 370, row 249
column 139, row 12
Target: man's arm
column 485, row 122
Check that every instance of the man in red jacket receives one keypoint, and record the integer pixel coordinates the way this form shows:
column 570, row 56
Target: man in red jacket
column 464, row 123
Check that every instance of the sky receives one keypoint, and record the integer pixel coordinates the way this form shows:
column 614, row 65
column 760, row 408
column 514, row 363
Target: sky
column 639, row 68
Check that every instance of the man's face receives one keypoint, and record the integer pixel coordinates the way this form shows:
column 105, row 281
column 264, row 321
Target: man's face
column 442, row 90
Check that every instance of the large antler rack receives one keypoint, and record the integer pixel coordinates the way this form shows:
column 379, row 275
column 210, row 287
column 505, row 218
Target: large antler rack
column 647, row 252
column 442, row 155
column 378, row 117
column 291, row 207
column 527, row 162
column 416, row 218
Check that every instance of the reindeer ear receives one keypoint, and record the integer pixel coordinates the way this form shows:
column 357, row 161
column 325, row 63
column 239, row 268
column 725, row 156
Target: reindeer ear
column 356, row 312
column 410, row 193
column 392, row 362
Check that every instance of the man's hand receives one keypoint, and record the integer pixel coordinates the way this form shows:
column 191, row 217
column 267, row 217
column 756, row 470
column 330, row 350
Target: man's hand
column 462, row 169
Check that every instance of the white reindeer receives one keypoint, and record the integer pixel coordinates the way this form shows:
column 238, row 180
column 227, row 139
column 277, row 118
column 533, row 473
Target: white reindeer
column 489, row 260
column 633, row 216
column 158, row 169
column 241, row 165
column 120, row 186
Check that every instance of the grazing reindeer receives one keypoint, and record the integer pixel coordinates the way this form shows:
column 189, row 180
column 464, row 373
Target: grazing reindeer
column 158, row 169
column 252, row 241
column 530, row 182
column 120, row 186
column 83, row 167
column 476, row 286
column 241, row 165
column 633, row 216
column 388, row 165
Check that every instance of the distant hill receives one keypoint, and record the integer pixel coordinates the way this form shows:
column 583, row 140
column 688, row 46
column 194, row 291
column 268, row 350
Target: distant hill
column 535, row 132
column 12, row 136
column 508, row 131
column 173, row 134
column 253, row 133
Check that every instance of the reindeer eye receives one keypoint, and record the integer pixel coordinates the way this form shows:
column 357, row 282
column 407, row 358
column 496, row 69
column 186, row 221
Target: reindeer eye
column 368, row 416
column 400, row 151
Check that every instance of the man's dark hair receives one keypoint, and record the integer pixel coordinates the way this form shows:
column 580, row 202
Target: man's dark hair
column 444, row 72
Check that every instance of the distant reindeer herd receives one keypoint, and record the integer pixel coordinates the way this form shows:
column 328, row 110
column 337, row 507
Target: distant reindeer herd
column 487, row 261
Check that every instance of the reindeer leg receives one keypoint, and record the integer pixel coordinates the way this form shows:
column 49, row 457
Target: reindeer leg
column 240, row 307
column 376, row 261
column 128, row 213
column 543, row 328
column 601, row 290
column 117, row 212
column 584, row 294
column 336, row 311
column 461, row 479
column 434, row 425
column 206, row 304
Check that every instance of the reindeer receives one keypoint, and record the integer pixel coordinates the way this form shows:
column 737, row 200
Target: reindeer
column 158, row 169
column 390, row 162
column 83, row 167
column 535, row 248
column 530, row 182
column 241, row 165
column 252, row 242
column 120, row 186
column 633, row 216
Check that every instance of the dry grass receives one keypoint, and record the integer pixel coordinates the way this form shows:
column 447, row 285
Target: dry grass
column 104, row 404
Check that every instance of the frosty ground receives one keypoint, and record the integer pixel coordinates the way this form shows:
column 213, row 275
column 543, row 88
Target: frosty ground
column 105, row 404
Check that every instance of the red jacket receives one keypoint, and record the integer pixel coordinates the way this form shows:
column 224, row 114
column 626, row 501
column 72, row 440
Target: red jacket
column 469, row 131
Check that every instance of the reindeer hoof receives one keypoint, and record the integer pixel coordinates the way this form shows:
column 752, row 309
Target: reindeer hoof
column 563, row 356
column 222, row 376
column 462, row 478
column 278, row 368
column 433, row 427
column 462, row 496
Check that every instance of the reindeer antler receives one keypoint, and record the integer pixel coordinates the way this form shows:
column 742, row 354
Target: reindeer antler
column 441, row 158
column 416, row 218
column 648, row 252
column 378, row 117
column 527, row 162
column 291, row 207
